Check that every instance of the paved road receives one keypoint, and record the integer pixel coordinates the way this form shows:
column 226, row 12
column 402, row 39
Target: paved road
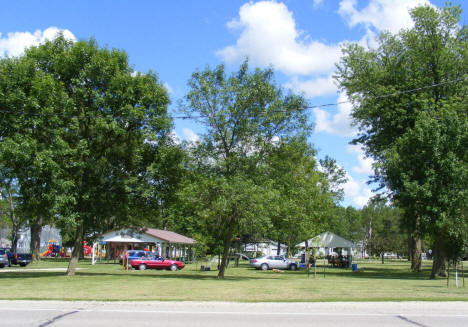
column 208, row 314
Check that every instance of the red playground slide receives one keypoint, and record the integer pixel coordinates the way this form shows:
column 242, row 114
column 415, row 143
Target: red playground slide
column 86, row 249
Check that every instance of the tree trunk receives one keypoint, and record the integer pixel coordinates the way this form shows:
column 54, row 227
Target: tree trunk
column 448, row 273
column 35, row 245
column 439, row 262
column 14, row 239
column 77, row 250
column 14, row 223
column 410, row 247
column 416, row 260
column 382, row 255
column 278, row 250
column 227, row 246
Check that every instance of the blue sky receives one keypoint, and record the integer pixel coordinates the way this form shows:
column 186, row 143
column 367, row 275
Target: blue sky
column 300, row 39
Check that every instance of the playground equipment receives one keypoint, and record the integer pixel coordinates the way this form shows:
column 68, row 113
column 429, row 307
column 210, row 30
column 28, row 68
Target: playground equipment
column 53, row 250
column 86, row 249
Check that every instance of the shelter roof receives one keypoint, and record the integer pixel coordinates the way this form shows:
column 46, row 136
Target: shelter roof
column 168, row 236
column 146, row 235
column 123, row 239
column 328, row 240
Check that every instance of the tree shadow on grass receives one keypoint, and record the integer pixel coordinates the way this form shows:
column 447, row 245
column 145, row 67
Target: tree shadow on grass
column 32, row 274
column 379, row 273
column 368, row 272
column 131, row 274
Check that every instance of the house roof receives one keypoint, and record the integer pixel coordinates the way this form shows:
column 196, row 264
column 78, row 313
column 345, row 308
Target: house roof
column 168, row 236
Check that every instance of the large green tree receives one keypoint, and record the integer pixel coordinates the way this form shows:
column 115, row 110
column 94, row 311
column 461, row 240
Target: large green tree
column 409, row 78
column 9, row 204
column 383, row 229
column 100, row 129
column 305, row 193
column 348, row 223
column 30, row 99
column 245, row 115
column 429, row 164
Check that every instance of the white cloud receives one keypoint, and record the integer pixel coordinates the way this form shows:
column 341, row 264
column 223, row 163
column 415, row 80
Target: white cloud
column 340, row 123
column 173, row 135
column 358, row 191
column 317, row 2
column 14, row 43
column 269, row 37
column 189, row 135
column 365, row 163
column 169, row 89
column 382, row 15
column 313, row 87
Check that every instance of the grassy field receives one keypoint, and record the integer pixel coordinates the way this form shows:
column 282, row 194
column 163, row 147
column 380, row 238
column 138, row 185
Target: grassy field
column 388, row 282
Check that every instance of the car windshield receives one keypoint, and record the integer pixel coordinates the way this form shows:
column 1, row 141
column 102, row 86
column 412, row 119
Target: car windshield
column 2, row 251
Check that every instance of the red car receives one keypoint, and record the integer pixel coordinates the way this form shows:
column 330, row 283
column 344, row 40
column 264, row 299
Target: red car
column 157, row 263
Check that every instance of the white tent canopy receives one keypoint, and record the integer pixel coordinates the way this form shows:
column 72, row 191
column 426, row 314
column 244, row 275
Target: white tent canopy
column 328, row 240
column 123, row 239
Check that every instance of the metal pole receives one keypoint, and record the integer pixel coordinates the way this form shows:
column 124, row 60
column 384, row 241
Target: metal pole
column 307, row 257
column 92, row 255
column 463, row 273
column 324, row 267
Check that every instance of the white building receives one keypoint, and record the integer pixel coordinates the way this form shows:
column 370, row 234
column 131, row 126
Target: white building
column 266, row 248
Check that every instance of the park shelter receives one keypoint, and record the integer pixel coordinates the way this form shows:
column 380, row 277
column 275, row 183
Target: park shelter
column 165, row 243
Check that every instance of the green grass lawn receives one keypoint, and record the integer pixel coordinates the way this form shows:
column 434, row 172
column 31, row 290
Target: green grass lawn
column 391, row 281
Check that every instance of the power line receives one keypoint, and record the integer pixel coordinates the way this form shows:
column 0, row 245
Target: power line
column 348, row 101
column 19, row 113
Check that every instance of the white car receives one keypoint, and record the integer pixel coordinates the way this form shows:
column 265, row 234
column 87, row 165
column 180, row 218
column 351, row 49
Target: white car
column 273, row 262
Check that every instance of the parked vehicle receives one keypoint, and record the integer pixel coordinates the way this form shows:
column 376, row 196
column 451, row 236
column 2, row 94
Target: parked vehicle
column 273, row 262
column 22, row 259
column 3, row 258
column 135, row 254
column 157, row 263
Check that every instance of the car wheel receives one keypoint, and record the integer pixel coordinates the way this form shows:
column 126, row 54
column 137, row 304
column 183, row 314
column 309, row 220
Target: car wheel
column 293, row 267
column 1, row 266
column 264, row 266
column 22, row 265
column 142, row 266
column 174, row 268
